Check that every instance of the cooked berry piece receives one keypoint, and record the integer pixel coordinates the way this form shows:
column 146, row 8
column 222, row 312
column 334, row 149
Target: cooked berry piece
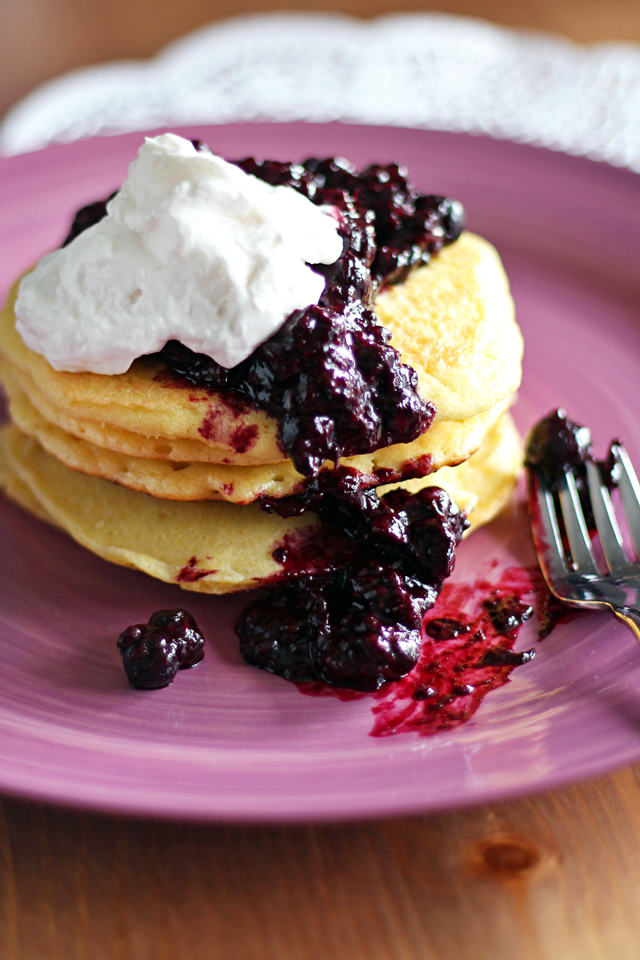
column 86, row 217
column 424, row 693
column 425, row 528
column 152, row 661
column 507, row 613
column 446, row 628
column 153, row 652
column 280, row 174
column 384, row 590
column 181, row 626
column 504, row 657
column 276, row 631
column 364, row 655
column 374, row 633
column 130, row 636
column 556, row 445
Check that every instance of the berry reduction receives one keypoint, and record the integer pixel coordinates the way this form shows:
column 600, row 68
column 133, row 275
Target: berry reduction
column 465, row 654
column 557, row 445
column 359, row 625
column 467, row 651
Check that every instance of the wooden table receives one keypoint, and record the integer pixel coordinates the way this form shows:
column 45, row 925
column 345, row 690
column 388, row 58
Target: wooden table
column 554, row 877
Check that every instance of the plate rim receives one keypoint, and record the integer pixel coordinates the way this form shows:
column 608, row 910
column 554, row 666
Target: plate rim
column 377, row 809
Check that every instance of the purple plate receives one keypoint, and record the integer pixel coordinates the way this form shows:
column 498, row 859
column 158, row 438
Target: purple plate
column 228, row 742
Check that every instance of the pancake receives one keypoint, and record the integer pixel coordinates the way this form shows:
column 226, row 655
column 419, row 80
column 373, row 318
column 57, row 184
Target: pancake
column 482, row 485
column 212, row 546
column 444, row 444
column 453, row 321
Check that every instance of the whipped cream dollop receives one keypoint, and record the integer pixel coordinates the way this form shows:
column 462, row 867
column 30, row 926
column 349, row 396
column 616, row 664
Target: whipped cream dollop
column 192, row 249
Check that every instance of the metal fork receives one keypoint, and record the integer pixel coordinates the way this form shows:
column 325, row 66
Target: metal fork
column 574, row 576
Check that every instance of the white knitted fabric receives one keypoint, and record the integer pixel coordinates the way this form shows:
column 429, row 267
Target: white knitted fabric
column 422, row 70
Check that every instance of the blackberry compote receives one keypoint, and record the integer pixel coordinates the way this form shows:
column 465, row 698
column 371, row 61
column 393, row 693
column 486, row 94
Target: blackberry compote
column 358, row 626
column 153, row 652
column 86, row 217
column 557, row 445
column 329, row 376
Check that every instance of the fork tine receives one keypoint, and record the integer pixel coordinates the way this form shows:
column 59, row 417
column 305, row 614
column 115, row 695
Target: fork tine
column 577, row 534
column 629, row 494
column 552, row 554
column 606, row 523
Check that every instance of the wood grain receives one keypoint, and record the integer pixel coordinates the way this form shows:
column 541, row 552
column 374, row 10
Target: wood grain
column 554, row 877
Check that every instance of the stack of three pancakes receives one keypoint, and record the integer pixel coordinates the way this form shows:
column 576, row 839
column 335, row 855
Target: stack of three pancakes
column 150, row 472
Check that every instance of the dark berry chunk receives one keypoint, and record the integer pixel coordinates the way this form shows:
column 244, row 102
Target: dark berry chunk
column 446, row 628
column 86, row 217
column 153, row 652
column 424, row 693
column 276, row 631
column 153, row 661
column 130, row 636
column 507, row 613
column 179, row 625
column 557, row 444
column 366, row 657
column 500, row 656
column 374, row 627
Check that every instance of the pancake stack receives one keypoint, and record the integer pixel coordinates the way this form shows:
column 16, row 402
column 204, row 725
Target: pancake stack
column 152, row 473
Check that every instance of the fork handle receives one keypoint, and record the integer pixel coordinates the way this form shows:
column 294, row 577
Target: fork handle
column 631, row 617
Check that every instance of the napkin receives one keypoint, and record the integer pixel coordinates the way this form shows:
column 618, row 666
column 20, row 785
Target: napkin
column 416, row 70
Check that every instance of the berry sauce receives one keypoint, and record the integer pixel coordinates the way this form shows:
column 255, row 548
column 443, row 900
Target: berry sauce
column 329, row 376
column 455, row 673
column 557, row 445
column 357, row 625
column 466, row 651
column 153, row 652
column 87, row 217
